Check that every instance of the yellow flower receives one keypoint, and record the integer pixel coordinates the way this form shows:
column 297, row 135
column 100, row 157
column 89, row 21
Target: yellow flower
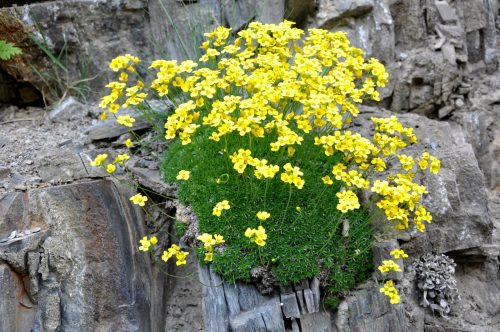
column 209, row 256
column 327, row 180
column 398, row 253
column 139, row 199
column 125, row 120
column 103, row 116
column 290, row 151
column 99, row 160
column 147, row 243
column 435, row 165
column 258, row 236
column 121, row 158
column 390, row 291
column 388, row 266
column 111, row 168
column 221, row 206
column 183, row 175
column 263, row 215
column 129, row 143
column 113, row 108
column 348, row 200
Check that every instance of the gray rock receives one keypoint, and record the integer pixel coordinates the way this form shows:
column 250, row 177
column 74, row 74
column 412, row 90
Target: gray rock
column 266, row 317
column 331, row 12
column 62, row 166
column 79, row 30
column 110, row 128
column 151, row 179
column 369, row 310
column 299, row 10
column 16, row 309
column 239, row 13
column 290, row 306
column 83, row 269
column 68, row 109
column 446, row 12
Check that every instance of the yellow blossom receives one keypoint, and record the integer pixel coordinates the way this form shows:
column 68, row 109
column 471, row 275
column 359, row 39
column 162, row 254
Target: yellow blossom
column 99, row 160
column 110, row 168
column 125, row 120
column 388, row 266
column 183, row 175
column 129, row 143
column 139, row 199
column 263, row 215
column 221, row 206
column 398, row 253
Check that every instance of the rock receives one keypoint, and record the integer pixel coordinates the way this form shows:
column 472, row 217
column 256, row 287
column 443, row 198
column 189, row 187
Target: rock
column 17, row 311
column 81, row 32
column 266, row 317
column 369, row 310
column 298, row 10
column 241, row 307
column 329, row 12
column 445, row 111
column 239, row 13
column 67, row 110
column 151, row 179
column 110, row 128
column 90, row 274
column 290, row 306
column 446, row 12
column 62, row 166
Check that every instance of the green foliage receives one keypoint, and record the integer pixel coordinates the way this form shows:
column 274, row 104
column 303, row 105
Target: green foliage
column 180, row 228
column 8, row 50
column 300, row 244
column 58, row 77
column 332, row 302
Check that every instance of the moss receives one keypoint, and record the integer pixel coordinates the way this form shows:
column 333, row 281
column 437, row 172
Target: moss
column 300, row 244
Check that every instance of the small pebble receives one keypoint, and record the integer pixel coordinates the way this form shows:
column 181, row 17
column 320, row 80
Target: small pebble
column 20, row 187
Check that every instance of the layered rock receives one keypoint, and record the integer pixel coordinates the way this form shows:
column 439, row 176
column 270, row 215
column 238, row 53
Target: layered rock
column 73, row 264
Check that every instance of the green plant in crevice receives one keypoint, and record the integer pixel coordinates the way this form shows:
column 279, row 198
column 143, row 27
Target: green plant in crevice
column 8, row 50
column 58, row 78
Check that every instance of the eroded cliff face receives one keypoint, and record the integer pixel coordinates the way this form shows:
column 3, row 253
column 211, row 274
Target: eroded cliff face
column 68, row 235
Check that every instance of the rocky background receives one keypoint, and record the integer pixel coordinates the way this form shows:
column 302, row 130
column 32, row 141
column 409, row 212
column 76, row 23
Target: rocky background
column 68, row 234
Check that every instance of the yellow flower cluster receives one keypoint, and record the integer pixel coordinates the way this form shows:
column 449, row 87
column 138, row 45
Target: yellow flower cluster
column 175, row 250
column 292, row 175
column 258, row 236
column 125, row 120
column 209, row 242
column 219, row 207
column 426, row 159
column 262, row 97
column 388, row 266
column 146, row 243
column 139, row 199
column 347, row 201
column 390, row 291
column 398, row 253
